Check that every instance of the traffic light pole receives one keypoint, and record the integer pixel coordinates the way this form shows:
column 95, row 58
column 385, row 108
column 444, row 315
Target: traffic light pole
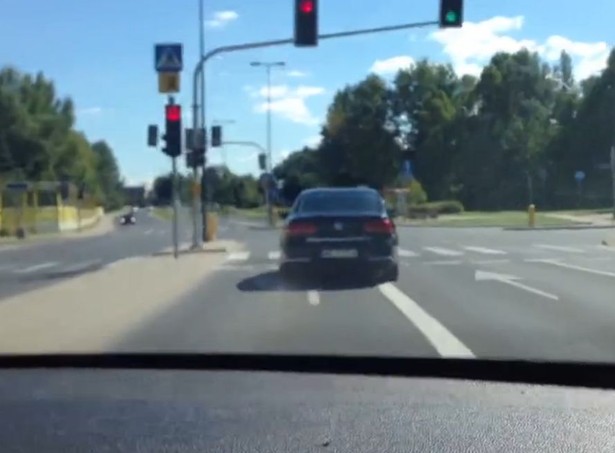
column 200, row 66
column 175, row 196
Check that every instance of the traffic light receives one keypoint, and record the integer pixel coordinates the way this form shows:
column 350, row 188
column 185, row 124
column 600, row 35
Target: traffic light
column 152, row 135
column 173, row 131
column 451, row 13
column 195, row 159
column 262, row 161
column 306, row 23
column 216, row 136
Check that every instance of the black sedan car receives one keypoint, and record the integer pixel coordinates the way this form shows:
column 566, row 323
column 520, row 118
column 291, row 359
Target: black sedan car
column 335, row 230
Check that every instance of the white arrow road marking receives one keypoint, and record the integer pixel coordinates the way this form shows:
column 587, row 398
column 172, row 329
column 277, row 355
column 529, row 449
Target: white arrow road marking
column 559, row 248
column 482, row 276
column 147, row 232
column 447, row 344
column 485, row 250
column 36, row 267
column 555, row 262
column 407, row 253
column 443, row 251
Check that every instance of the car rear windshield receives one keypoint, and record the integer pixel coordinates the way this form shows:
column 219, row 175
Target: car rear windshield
column 351, row 201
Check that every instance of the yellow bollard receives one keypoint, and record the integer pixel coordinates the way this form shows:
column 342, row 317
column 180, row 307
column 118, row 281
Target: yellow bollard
column 531, row 214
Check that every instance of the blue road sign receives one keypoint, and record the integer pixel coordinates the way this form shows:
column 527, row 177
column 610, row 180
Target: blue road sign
column 579, row 176
column 168, row 57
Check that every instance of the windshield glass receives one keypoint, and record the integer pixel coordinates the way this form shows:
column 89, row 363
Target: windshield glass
column 330, row 201
column 464, row 161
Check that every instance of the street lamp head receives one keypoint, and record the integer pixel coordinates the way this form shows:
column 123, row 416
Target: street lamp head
column 255, row 63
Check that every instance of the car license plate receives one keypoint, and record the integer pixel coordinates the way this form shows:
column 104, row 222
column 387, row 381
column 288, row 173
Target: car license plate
column 340, row 253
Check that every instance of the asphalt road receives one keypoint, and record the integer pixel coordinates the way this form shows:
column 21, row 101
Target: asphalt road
column 461, row 293
column 23, row 268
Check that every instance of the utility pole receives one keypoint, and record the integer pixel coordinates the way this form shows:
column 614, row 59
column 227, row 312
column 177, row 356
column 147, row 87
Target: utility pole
column 268, row 66
column 613, row 176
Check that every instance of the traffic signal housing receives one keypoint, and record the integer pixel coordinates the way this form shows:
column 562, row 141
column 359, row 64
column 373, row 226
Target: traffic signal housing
column 451, row 13
column 262, row 161
column 173, row 131
column 306, row 23
column 216, row 136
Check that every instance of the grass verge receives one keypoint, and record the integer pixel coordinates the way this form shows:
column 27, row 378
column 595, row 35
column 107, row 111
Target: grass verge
column 505, row 219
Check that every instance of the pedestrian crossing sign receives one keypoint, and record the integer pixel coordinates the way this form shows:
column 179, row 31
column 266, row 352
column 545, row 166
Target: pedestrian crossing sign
column 168, row 57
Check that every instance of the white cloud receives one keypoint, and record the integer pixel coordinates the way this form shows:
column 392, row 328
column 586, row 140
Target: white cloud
column 288, row 102
column 296, row 73
column 90, row 111
column 284, row 153
column 252, row 156
column 221, row 18
column 392, row 65
column 472, row 46
column 313, row 141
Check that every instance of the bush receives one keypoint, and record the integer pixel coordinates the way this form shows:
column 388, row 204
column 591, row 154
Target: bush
column 417, row 194
column 434, row 209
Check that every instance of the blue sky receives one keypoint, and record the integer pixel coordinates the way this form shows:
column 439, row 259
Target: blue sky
column 101, row 54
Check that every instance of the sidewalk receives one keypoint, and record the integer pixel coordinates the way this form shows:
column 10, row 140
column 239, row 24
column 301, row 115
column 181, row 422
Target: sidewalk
column 93, row 312
column 105, row 225
column 598, row 220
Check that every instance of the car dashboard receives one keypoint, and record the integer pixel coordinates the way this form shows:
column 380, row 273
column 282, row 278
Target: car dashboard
column 219, row 411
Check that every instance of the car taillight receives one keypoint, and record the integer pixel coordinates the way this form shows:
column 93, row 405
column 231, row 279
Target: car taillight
column 381, row 226
column 300, row 229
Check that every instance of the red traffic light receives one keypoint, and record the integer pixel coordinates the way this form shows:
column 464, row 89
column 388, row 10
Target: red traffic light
column 173, row 112
column 306, row 6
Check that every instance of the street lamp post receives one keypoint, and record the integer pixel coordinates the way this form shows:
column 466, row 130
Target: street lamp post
column 268, row 66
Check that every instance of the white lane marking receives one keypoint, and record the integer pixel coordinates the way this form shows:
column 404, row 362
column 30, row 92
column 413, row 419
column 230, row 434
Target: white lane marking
column 275, row 255
column 559, row 248
column 148, row 232
column 236, row 267
column 607, row 248
column 313, row 297
column 511, row 280
column 36, row 267
column 500, row 261
column 447, row 344
column 443, row 263
column 443, row 251
column 574, row 267
column 238, row 256
column 406, row 253
column 81, row 266
column 484, row 250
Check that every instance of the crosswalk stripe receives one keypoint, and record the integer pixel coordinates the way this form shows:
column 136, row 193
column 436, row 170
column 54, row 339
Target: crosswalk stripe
column 36, row 267
column 559, row 248
column 407, row 253
column 443, row 251
column 238, row 256
column 274, row 255
column 484, row 250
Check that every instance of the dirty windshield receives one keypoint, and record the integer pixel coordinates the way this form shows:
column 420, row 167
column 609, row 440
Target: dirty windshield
column 398, row 178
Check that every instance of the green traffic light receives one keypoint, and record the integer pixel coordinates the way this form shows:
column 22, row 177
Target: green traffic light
column 451, row 16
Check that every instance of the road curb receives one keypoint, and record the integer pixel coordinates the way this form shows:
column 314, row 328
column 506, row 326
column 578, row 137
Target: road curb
column 576, row 227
